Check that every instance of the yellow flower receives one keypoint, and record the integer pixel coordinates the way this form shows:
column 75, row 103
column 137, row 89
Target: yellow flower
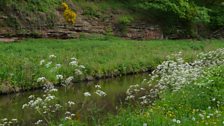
column 65, row 5
column 69, row 15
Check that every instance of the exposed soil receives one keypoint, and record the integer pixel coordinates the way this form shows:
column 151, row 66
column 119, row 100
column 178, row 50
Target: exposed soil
column 9, row 40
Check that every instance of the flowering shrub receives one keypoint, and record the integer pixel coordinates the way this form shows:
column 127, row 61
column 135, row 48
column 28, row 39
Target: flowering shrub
column 69, row 14
column 175, row 74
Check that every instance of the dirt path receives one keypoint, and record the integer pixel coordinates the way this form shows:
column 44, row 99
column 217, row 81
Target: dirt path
column 8, row 40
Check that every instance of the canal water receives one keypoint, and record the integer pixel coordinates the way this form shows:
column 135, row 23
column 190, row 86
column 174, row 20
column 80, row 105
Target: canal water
column 90, row 109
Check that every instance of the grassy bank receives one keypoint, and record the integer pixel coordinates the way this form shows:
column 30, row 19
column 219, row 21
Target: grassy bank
column 195, row 105
column 20, row 62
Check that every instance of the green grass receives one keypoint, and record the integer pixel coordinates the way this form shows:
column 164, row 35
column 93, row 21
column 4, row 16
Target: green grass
column 193, row 105
column 101, row 56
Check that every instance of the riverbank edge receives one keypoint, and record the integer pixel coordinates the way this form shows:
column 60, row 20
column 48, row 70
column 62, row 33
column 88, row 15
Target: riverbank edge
column 8, row 89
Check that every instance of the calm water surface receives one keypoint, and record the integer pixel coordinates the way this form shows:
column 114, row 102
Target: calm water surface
column 89, row 109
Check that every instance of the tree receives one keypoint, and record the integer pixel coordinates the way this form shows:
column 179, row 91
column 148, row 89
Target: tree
column 185, row 11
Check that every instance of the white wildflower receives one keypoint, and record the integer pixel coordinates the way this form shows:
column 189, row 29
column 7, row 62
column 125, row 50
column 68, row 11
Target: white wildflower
column 53, row 90
column 178, row 121
column 5, row 119
column 97, row 86
column 82, row 66
column 38, row 122
column 87, row 94
column 15, row 120
column 70, row 103
column 145, row 124
column 174, row 120
column 41, row 79
column 42, row 62
column 73, row 63
column 100, row 93
column 73, row 58
column 52, row 56
column 67, row 113
column 78, row 72
column 68, row 118
column 59, row 77
column 31, row 97
column 69, row 80
column 49, row 98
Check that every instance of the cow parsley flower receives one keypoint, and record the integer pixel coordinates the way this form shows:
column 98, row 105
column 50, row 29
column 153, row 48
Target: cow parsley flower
column 38, row 122
column 69, row 80
column 59, row 77
column 41, row 79
column 42, row 62
column 97, row 86
column 78, row 72
column 82, row 66
column 70, row 103
column 73, row 58
column 73, row 63
column 100, row 93
column 52, row 56
column 87, row 94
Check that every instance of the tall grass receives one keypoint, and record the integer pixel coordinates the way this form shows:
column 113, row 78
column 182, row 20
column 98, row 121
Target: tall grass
column 102, row 57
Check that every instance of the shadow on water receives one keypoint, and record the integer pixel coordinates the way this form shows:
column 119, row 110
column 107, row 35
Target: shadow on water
column 88, row 109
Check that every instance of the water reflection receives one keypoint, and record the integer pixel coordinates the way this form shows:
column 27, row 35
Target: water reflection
column 89, row 109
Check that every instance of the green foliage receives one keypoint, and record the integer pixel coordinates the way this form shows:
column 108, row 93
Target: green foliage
column 217, row 17
column 123, row 21
column 29, row 13
column 183, row 11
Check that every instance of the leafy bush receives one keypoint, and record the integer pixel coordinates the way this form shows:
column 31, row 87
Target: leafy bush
column 123, row 21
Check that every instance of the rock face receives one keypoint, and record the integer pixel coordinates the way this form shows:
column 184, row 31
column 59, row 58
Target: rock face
column 144, row 31
column 84, row 25
column 218, row 34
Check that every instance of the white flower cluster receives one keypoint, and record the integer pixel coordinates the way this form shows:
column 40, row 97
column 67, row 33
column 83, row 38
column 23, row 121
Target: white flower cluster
column 8, row 122
column 71, row 103
column 87, row 94
column 98, row 92
column 52, row 56
column 41, row 79
column 69, row 115
column 38, row 122
column 73, row 63
column 59, row 77
column 56, row 68
column 175, row 74
column 47, row 105
column 39, row 103
column 69, row 80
